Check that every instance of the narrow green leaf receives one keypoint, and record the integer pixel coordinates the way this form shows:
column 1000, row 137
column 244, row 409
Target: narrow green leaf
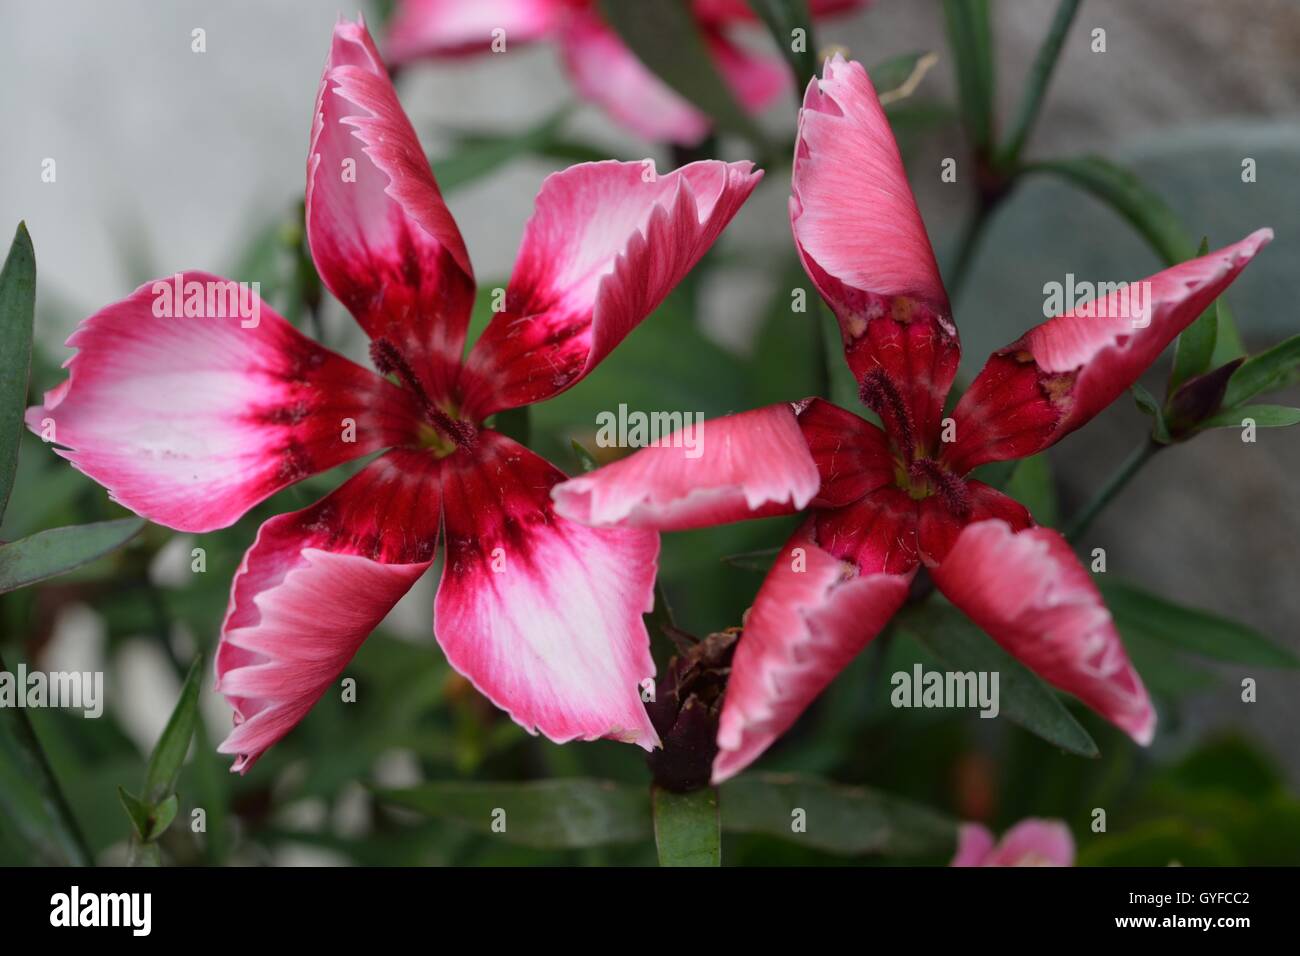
column 1264, row 416
column 477, row 156
column 1150, row 405
column 17, row 311
column 951, row 637
column 1032, row 484
column 782, row 18
column 1268, row 371
column 666, row 38
column 169, row 753
column 547, row 814
column 1040, row 75
column 848, row 821
column 59, row 550
column 1194, row 348
column 971, row 40
column 687, row 826
column 1120, row 189
column 586, row 460
column 1190, row 629
column 30, row 796
column 137, row 812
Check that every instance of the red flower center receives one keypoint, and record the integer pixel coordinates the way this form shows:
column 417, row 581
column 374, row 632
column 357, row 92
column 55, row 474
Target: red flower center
column 454, row 432
column 916, row 473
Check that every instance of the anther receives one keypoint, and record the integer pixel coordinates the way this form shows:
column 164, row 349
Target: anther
column 949, row 487
column 389, row 361
column 878, row 393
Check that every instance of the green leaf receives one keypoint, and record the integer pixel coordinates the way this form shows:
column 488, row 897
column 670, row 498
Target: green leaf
column 1040, row 75
column 1120, row 189
column 847, row 821
column 666, row 38
column 1151, row 406
column 586, row 460
column 31, row 799
column 1032, row 485
column 137, row 811
column 1268, row 371
column 17, row 311
column 687, row 828
column 1189, row 629
column 1264, row 416
column 782, row 18
column 59, row 550
column 960, row 645
column 547, row 814
column 971, row 40
column 1194, row 348
column 169, row 753
column 477, row 156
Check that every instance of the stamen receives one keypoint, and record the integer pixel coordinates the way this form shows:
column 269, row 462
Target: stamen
column 949, row 487
column 389, row 361
column 878, row 393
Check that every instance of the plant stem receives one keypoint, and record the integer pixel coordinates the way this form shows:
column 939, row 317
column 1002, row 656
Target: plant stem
column 821, row 361
column 966, row 246
column 37, row 766
column 1132, row 465
column 1040, row 74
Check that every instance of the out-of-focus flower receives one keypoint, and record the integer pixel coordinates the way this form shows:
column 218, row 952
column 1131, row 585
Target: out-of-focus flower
column 1029, row 843
column 884, row 502
column 603, row 70
column 192, row 416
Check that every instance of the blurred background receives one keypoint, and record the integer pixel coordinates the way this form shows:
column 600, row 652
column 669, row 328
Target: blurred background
column 171, row 160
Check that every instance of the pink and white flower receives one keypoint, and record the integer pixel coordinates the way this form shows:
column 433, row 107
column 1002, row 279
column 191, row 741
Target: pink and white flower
column 883, row 502
column 190, row 421
column 1030, row 842
column 603, row 70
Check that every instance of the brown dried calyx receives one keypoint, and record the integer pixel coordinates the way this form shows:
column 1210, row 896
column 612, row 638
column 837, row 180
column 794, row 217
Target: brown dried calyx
column 688, row 700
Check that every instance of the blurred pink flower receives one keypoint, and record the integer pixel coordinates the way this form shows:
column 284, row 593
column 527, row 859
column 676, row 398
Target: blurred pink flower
column 191, row 419
column 884, row 502
column 603, row 70
column 1029, row 843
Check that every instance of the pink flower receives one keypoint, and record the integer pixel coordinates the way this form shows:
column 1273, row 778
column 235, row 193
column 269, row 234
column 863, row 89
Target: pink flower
column 1029, row 843
column 192, row 420
column 883, row 502
column 602, row 68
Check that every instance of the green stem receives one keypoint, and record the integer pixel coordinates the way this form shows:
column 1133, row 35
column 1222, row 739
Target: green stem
column 1040, row 75
column 966, row 246
column 821, row 361
column 38, row 770
column 1132, row 465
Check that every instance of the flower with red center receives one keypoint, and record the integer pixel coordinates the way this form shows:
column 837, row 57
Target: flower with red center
column 1030, row 842
column 885, row 501
column 601, row 67
column 193, row 419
